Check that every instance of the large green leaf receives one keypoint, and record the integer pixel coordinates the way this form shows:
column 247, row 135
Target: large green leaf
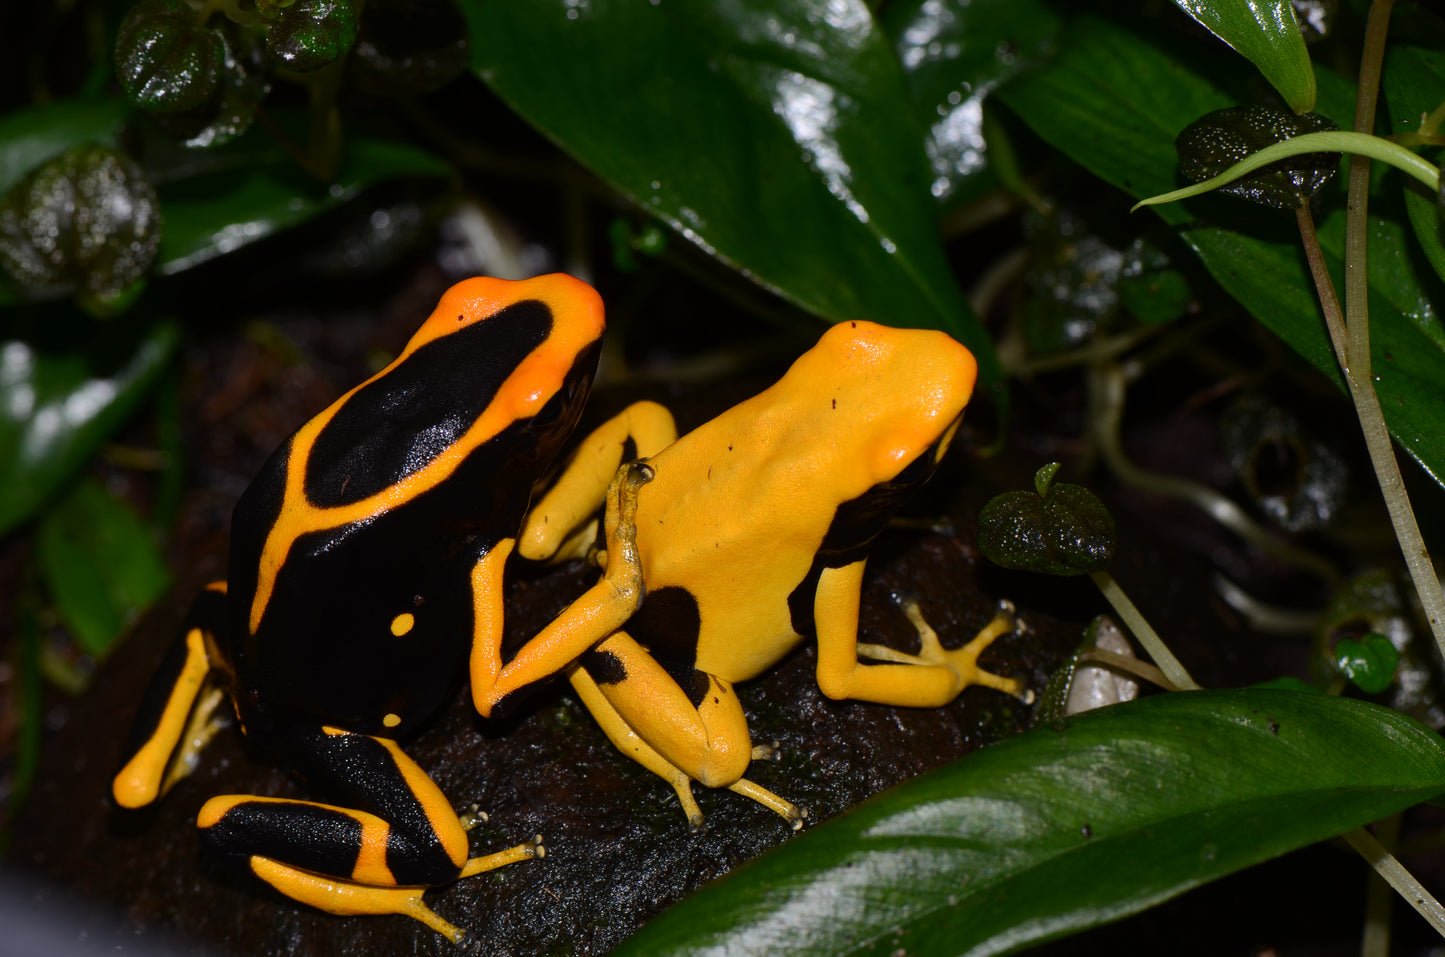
column 955, row 53
column 778, row 137
column 58, row 406
column 1068, row 826
column 100, row 564
column 1265, row 33
column 1114, row 102
column 1414, row 85
column 30, row 137
column 244, row 196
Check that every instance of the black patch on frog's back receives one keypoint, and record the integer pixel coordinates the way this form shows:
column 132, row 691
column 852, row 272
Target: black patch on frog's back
column 396, row 425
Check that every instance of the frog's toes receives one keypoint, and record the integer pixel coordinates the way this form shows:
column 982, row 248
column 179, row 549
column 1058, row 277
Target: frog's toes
column 768, row 752
column 471, row 817
column 539, row 850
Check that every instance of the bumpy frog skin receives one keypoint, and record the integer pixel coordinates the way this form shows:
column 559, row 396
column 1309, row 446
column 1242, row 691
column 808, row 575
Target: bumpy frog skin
column 726, row 548
column 365, row 558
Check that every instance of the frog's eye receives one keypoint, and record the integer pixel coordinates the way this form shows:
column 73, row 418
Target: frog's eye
column 403, row 623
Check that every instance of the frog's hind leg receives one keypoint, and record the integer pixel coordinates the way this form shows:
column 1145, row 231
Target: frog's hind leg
column 177, row 716
column 392, row 835
column 697, row 733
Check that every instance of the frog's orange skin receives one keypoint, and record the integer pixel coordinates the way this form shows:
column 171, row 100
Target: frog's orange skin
column 362, row 557
column 734, row 543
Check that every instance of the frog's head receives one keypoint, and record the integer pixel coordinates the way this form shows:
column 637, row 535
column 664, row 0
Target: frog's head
column 903, row 390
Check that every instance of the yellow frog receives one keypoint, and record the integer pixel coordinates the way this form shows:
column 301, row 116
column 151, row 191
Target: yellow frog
column 728, row 547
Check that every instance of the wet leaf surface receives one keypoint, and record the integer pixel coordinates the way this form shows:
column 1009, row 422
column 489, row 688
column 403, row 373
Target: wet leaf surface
column 780, row 139
column 1115, row 102
column 1069, row 825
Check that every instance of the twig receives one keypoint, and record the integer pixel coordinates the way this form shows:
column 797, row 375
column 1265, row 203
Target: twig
column 1400, row 879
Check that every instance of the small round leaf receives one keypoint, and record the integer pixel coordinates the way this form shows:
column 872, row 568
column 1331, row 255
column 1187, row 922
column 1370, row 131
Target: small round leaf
column 1369, row 662
column 1218, row 140
column 86, row 220
column 1068, row 531
column 166, row 60
column 309, row 34
column 409, row 47
column 244, row 82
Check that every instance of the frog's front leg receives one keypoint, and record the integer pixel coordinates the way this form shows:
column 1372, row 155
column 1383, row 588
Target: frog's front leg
column 392, row 834
column 697, row 733
column 597, row 613
column 931, row 678
column 551, row 531
column 175, row 720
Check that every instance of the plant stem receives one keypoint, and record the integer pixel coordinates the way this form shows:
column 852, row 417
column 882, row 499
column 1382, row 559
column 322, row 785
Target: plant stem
column 1124, row 664
column 1400, row 879
column 1150, row 639
column 1375, row 942
column 1106, row 406
column 1359, row 143
column 1350, row 333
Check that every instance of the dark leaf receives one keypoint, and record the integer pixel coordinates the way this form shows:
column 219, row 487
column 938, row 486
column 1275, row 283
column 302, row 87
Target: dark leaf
column 1067, row 826
column 99, row 563
column 86, row 220
column 57, row 407
column 1056, row 530
column 779, row 138
column 312, row 33
column 409, row 47
column 166, row 59
column 1218, row 140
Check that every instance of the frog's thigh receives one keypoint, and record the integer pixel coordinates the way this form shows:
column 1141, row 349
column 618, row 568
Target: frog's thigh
column 639, row 431
column 390, row 825
column 699, row 729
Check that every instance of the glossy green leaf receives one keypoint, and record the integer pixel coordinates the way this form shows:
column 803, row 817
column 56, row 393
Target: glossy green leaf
column 30, row 137
column 955, row 53
column 99, row 563
column 85, row 220
column 1414, row 85
column 244, row 198
column 778, row 137
column 1265, row 33
column 1056, row 529
column 1114, row 102
column 58, row 405
column 1067, row 826
column 166, row 59
column 1369, row 662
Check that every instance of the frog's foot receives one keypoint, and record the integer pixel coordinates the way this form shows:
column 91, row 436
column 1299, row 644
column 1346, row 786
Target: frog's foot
column 767, row 752
column 789, row 811
column 472, row 817
column 526, row 851
column 348, row 898
column 962, row 661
